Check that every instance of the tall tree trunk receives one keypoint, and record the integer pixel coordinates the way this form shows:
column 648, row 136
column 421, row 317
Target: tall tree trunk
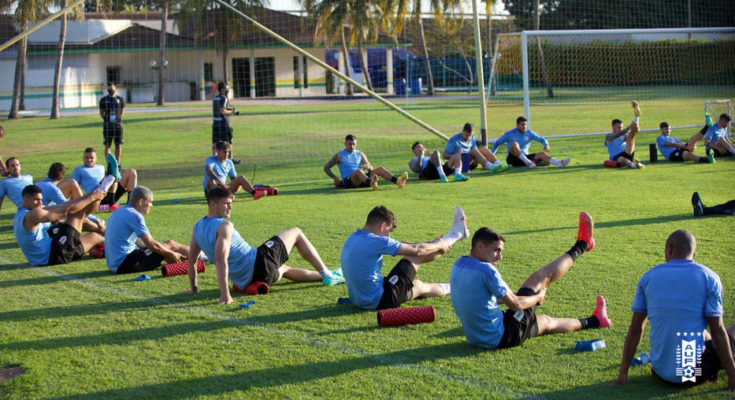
column 19, row 68
column 430, row 83
column 364, row 65
column 346, row 53
column 162, row 55
column 22, row 99
column 59, row 60
column 537, row 24
column 489, row 39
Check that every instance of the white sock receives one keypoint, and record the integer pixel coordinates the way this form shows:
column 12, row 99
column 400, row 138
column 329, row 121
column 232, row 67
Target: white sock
column 458, row 170
column 440, row 170
column 488, row 165
column 635, row 120
column 632, row 165
column 497, row 162
column 326, row 273
column 525, row 160
column 555, row 161
column 203, row 256
column 459, row 229
column 445, row 286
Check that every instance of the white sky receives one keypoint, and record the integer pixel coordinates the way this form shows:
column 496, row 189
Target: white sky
column 293, row 5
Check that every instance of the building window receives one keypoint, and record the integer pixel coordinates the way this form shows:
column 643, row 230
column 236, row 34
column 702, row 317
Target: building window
column 113, row 75
column 208, row 72
column 296, row 77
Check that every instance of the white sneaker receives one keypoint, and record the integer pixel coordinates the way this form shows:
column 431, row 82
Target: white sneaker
column 105, row 184
column 564, row 162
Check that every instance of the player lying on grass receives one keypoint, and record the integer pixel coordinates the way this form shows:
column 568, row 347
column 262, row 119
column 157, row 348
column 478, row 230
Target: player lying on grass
column 90, row 174
column 13, row 185
column 356, row 171
column 681, row 299
column 362, row 261
column 620, row 142
column 674, row 150
column 234, row 258
column 124, row 253
column 46, row 244
column 478, row 288
column 464, row 143
column 727, row 208
column 430, row 167
column 518, row 141
column 56, row 192
column 218, row 168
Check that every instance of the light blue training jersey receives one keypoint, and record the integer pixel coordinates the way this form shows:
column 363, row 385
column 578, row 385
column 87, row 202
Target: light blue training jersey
column 88, row 177
column 677, row 296
column 361, row 260
column 51, row 193
column 124, row 227
column 616, row 146
column 457, row 144
column 715, row 133
column 240, row 262
column 350, row 163
column 423, row 164
column 13, row 188
column 523, row 139
column 476, row 288
column 666, row 150
column 221, row 170
column 36, row 245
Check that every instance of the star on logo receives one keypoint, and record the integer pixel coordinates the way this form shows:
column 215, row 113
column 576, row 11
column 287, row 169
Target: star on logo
column 699, row 333
column 678, row 333
column 691, row 333
column 685, row 334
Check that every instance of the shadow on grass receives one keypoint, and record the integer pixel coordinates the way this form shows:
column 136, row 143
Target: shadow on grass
column 52, row 279
column 214, row 385
column 613, row 224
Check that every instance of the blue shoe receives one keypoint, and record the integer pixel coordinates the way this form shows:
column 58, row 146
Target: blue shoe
column 113, row 167
column 335, row 279
column 460, row 178
column 443, row 178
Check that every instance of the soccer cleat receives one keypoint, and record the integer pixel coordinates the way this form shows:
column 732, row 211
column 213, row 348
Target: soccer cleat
column 105, row 184
column 460, row 178
column 708, row 119
column 496, row 168
column 259, row 193
column 532, row 164
column 236, row 161
column 335, row 279
column 114, row 206
column 401, row 182
column 564, row 162
column 374, row 182
column 636, row 108
column 504, row 167
column 601, row 313
column 113, row 168
column 638, row 163
column 459, row 225
column 443, row 178
column 584, row 232
column 697, row 205
column 711, row 157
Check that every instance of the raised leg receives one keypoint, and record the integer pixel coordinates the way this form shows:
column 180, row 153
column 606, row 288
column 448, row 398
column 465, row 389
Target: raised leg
column 71, row 190
column 90, row 240
column 294, row 237
column 543, row 277
column 129, row 179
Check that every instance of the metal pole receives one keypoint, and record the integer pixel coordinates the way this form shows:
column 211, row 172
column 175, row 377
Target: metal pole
column 526, row 96
column 480, row 74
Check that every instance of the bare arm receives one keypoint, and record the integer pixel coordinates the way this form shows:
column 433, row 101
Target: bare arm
column 415, row 164
column 336, row 159
column 517, row 303
column 191, row 261
column 682, row 146
column 423, row 249
column 211, row 174
column 158, row 248
column 722, row 345
column 53, row 213
column 221, row 253
column 612, row 136
column 632, row 340
column 365, row 163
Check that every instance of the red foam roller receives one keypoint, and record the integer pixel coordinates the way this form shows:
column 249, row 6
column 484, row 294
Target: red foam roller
column 403, row 316
column 271, row 191
column 253, row 288
column 180, row 268
column 610, row 164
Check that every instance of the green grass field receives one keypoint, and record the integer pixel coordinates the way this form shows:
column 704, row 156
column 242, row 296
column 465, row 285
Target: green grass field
column 82, row 333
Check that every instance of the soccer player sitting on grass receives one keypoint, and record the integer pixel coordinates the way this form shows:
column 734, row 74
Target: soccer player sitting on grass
column 355, row 169
column 464, row 143
column 55, row 192
column 234, row 258
column 620, row 142
column 477, row 288
column 674, row 150
column 430, row 167
column 218, row 167
column 46, row 244
column 362, row 261
column 681, row 298
column 13, row 185
column 716, row 139
column 125, row 226
column 90, row 174
column 727, row 208
column 519, row 140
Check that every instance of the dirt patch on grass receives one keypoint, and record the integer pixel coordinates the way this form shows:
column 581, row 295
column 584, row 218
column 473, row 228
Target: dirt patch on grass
column 11, row 371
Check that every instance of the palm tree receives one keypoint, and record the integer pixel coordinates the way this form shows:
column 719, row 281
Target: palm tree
column 78, row 13
column 26, row 11
column 162, row 53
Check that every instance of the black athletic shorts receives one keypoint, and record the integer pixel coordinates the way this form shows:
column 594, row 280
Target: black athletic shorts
column 517, row 162
column 112, row 133
column 710, row 365
column 65, row 244
column 347, row 182
column 112, row 197
column 720, row 154
column 398, row 285
column 271, row 255
column 677, row 155
column 623, row 154
column 140, row 260
column 519, row 325
column 221, row 133
column 430, row 171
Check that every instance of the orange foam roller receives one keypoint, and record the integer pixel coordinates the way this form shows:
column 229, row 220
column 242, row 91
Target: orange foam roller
column 253, row 288
column 180, row 268
column 404, row 316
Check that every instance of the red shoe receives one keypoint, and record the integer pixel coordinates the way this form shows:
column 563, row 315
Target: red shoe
column 259, row 193
column 97, row 251
column 585, row 230
column 601, row 313
column 114, row 207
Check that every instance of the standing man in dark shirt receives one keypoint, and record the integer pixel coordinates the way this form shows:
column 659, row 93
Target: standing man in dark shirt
column 221, row 111
column 112, row 108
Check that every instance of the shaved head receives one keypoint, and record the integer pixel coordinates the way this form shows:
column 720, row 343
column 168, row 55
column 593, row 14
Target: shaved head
column 681, row 245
